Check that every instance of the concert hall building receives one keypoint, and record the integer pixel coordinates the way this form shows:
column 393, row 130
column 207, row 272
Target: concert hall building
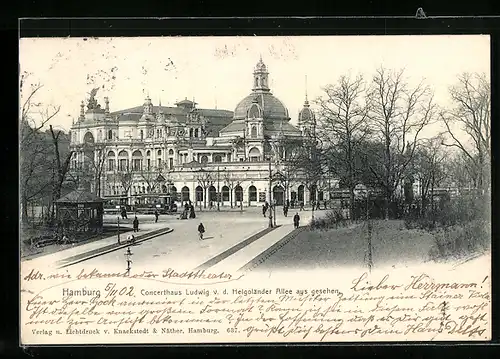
column 193, row 153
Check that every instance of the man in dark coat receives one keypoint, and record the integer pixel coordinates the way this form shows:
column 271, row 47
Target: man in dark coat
column 191, row 211
column 157, row 214
column 201, row 230
column 136, row 224
column 296, row 220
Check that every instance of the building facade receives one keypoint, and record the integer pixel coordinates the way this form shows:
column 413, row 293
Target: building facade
column 194, row 153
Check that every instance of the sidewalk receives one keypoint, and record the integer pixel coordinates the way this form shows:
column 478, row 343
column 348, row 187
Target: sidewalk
column 234, row 262
column 52, row 259
column 243, row 257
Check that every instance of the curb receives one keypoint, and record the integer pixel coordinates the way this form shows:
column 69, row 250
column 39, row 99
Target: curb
column 237, row 247
column 261, row 258
column 121, row 246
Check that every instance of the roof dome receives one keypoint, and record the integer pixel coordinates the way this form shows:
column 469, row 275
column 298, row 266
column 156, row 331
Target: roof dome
column 271, row 106
column 306, row 114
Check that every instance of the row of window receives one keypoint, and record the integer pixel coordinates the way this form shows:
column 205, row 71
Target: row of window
column 138, row 153
column 137, row 164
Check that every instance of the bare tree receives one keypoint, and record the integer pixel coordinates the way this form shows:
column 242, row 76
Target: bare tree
column 429, row 169
column 398, row 113
column 205, row 180
column 34, row 165
column 150, row 176
column 343, row 124
column 125, row 177
column 94, row 165
column 471, row 113
column 34, row 147
column 308, row 162
column 61, row 165
column 231, row 181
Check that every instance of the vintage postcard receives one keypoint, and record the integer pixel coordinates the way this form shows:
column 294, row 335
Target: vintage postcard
column 300, row 189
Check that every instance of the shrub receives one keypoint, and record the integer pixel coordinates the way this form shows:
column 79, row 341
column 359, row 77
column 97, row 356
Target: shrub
column 332, row 219
column 461, row 240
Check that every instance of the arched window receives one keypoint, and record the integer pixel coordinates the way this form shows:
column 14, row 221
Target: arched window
column 253, row 132
column 123, row 161
column 88, row 138
column 238, row 191
column 110, row 135
column 300, row 193
column 159, row 152
column 252, row 193
column 137, row 160
column 199, row 194
column 148, row 159
column 278, row 195
column 170, row 152
column 204, row 159
column 312, row 193
column 212, row 194
column 254, row 154
column 111, row 154
column 218, row 159
column 173, row 193
column 185, row 194
column 225, row 193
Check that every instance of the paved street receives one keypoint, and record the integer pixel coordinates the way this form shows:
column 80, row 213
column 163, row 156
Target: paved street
column 183, row 250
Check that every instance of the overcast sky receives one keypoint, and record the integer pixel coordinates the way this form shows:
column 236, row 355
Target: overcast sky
column 218, row 70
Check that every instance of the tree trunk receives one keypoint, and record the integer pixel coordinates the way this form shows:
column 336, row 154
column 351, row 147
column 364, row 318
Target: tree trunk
column 351, row 203
column 24, row 204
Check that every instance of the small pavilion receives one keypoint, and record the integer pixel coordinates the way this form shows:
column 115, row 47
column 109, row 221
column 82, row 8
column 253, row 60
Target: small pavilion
column 80, row 211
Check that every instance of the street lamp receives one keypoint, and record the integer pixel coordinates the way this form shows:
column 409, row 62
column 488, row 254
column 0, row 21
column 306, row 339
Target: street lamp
column 270, row 197
column 218, row 190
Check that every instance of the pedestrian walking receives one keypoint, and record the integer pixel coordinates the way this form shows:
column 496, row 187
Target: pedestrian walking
column 296, row 220
column 264, row 210
column 201, row 230
column 157, row 214
column 131, row 238
column 124, row 213
column 285, row 210
column 191, row 211
column 136, row 224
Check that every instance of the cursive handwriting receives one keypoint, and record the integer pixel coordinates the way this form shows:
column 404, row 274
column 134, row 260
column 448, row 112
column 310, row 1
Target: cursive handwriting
column 369, row 308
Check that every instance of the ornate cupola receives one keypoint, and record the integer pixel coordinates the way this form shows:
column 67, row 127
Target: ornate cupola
column 160, row 117
column 82, row 111
column 148, row 106
column 260, row 78
column 106, row 106
column 307, row 119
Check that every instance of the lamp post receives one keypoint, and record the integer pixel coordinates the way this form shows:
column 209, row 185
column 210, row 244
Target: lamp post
column 218, row 190
column 270, row 196
column 118, row 230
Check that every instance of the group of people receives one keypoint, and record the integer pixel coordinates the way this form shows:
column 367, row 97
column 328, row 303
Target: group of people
column 188, row 211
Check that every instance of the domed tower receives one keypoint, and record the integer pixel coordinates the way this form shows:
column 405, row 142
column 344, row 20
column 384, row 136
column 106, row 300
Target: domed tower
column 307, row 120
column 261, row 78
